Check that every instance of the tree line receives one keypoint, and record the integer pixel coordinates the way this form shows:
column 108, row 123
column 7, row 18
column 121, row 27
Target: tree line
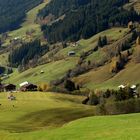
column 27, row 52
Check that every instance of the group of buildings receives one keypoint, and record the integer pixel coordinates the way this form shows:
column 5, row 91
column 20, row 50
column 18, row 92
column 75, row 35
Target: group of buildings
column 25, row 86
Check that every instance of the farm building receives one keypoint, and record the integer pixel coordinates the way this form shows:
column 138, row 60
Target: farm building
column 71, row 53
column 24, row 83
column 121, row 86
column 28, row 87
column 9, row 87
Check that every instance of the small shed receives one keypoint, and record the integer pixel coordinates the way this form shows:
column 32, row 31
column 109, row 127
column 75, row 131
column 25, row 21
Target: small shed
column 121, row 86
column 9, row 87
column 133, row 87
column 41, row 72
column 24, row 83
column 28, row 87
column 71, row 53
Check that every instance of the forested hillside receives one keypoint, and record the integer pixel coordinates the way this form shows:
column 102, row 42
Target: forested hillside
column 12, row 12
column 84, row 19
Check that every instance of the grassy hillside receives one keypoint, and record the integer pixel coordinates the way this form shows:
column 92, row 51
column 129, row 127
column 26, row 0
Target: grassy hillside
column 121, row 127
column 112, row 34
column 28, row 25
column 51, row 70
column 101, row 78
column 39, row 111
column 57, row 69
column 29, row 22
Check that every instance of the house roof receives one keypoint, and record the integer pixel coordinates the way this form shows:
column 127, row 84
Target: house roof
column 133, row 86
column 29, row 85
column 121, row 86
column 24, row 83
column 7, row 85
column 71, row 52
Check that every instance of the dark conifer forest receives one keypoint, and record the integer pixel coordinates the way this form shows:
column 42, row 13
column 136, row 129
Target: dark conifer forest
column 85, row 18
column 26, row 52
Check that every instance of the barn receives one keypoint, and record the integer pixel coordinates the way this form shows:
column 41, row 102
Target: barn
column 9, row 87
column 28, row 87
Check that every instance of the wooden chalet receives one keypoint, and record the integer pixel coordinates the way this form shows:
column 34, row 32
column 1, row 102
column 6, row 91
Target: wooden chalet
column 9, row 87
column 28, row 87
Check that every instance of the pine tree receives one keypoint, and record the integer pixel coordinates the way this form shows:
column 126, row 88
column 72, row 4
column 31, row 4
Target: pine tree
column 104, row 40
column 100, row 42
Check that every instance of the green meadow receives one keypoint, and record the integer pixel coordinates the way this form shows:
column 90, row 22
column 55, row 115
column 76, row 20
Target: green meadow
column 47, row 116
column 36, row 111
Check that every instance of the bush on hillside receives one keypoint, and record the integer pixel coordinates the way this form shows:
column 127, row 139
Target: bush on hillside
column 69, row 85
column 121, row 107
column 44, row 87
column 102, row 97
column 93, row 99
column 102, row 41
column 118, row 63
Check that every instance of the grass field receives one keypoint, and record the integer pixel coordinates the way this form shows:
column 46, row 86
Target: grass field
column 123, row 127
column 52, row 71
column 38, row 112
column 47, row 116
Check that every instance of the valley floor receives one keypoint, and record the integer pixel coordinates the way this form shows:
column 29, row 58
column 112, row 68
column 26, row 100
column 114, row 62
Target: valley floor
column 47, row 116
column 38, row 111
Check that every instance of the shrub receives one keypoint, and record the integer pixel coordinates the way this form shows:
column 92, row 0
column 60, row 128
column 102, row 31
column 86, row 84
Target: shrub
column 44, row 87
column 121, row 107
column 118, row 62
column 69, row 85
column 93, row 99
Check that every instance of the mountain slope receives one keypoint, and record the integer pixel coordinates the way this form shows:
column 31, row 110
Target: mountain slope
column 13, row 12
column 87, row 18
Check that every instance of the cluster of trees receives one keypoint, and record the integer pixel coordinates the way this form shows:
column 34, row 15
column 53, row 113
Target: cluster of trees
column 102, row 41
column 5, row 70
column 85, row 20
column 102, row 97
column 2, row 70
column 114, row 101
column 25, row 53
column 12, row 12
column 119, row 62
